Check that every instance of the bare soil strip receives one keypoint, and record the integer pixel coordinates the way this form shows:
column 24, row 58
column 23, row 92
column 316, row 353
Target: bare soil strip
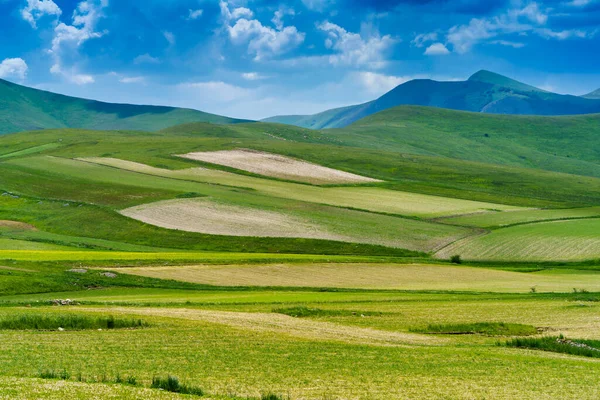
column 16, row 225
column 278, row 166
column 283, row 324
column 206, row 216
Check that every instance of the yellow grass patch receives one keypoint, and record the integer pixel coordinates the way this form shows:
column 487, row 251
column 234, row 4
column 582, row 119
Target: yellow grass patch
column 16, row 225
column 285, row 325
column 206, row 216
column 277, row 166
column 372, row 276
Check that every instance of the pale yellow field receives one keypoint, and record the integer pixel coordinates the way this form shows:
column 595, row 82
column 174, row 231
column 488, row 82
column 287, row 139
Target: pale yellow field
column 364, row 198
column 207, row 216
column 277, row 166
column 373, row 276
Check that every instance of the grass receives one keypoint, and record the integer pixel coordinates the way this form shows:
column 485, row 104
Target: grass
column 66, row 322
column 481, row 328
column 498, row 220
column 172, row 384
column 544, row 241
column 306, row 312
column 560, row 344
column 388, row 276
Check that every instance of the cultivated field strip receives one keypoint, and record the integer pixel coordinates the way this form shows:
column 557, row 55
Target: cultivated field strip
column 285, row 325
column 277, row 166
column 371, row 276
column 364, row 198
column 545, row 241
column 206, row 216
column 318, row 222
column 498, row 219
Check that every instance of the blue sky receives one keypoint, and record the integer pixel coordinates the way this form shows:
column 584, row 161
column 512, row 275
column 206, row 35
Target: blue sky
column 258, row 58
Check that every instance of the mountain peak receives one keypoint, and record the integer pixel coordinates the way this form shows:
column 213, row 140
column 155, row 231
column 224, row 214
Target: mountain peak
column 501, row 80
column 594, row 95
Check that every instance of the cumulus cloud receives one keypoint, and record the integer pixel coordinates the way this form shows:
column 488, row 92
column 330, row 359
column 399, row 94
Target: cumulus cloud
column 422, row 39
column 354, row 49
column 36, row 9
column 531, row 18
column 437, row 49
column 13, row 68
column 169, row 37
column 146, row 59
column 377, row 84
column 194, row 14
column 68, row 38
column 318, row 5
column 253, row 76
column 262, row 41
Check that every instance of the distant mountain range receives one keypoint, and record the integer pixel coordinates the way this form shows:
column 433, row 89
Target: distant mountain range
column 485, row 92
column 23, row 108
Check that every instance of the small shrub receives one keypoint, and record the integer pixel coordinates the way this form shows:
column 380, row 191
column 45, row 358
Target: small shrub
column 270, row 396
column 171, row 384
column 455, row 259
column 560, row 344
column 66, row 322
column 131, row 380
column 305, row 312
column 481, row 328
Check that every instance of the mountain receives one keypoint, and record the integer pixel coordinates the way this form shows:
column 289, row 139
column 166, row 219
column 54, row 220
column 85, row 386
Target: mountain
column 485, row 92
column 23, row 108
column 594, row 95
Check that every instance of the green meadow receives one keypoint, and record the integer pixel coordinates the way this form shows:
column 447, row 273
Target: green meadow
column 470, row 270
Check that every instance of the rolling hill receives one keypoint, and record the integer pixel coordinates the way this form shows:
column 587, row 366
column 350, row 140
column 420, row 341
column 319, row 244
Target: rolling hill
column 485, row 92
column 594, row 95
column 23, row 108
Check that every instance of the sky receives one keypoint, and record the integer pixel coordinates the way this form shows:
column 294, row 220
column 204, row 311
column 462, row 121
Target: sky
column 258, row 58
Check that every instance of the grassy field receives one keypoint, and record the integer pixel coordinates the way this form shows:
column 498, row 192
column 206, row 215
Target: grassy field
column 496, row 220
column 374, row 276
column 324, row 292
column 544, row 241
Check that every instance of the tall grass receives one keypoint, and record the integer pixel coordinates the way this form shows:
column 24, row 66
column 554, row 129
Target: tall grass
column 560, row 344
column 305, row 312
column 172, row 384
column 28, row 321
column 482, row 328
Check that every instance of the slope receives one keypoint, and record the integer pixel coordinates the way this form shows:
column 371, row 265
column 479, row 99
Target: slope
column 563, row 144
column 23, row 108
column 484, row 91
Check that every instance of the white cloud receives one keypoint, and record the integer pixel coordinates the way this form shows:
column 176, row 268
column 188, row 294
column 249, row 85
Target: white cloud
column 563, row 35
column 378, row 84
column 194, row 14
column 169, row 37
column 516, row 45
column 146, row 59
column 437, row 49
column 132, row 79
column 253, row 76
column 353, row 49
column 424, row 38
column 36, row 9
column 278, row 17
column 263, row 42
column 318, row 5
column 15, row 68
column 68, row 38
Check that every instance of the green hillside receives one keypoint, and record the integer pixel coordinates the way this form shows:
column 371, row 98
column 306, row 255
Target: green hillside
column 593, row 95
column 484, row 92
column 23, row 109
column 565, row 144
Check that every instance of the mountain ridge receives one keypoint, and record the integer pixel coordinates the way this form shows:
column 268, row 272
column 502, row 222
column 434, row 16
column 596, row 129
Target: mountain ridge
column 484, row 91
column 24, row 108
